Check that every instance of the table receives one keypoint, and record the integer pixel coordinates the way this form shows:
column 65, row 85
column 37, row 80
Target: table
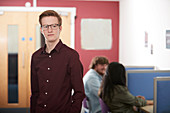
column 147, row 109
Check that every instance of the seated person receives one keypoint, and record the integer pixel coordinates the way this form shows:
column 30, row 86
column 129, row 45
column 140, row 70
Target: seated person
column 115, row 94
column 92, row 81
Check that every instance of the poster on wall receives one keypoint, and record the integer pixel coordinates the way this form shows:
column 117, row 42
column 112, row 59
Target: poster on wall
column 168, row 39
column 96, row 34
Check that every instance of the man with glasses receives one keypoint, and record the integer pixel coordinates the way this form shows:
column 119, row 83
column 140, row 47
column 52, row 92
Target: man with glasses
column 55, row 71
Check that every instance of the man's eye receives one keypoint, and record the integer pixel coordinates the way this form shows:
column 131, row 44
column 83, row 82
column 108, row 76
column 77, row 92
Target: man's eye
column 45, row 26
column 54, row 25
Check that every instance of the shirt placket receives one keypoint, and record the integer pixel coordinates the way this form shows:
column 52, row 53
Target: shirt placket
column 47, row 80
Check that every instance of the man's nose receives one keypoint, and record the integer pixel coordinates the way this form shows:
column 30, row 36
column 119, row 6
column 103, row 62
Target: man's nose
column 49, row 28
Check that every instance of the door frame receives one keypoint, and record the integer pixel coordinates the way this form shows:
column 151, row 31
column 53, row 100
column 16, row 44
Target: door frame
column 61, row 10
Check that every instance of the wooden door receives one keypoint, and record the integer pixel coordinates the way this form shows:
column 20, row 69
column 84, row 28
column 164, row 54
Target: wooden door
column 13, row 32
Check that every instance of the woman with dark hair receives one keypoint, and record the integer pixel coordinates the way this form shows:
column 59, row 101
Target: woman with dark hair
column 115, row 94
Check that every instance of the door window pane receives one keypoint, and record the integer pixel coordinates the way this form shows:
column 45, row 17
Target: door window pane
column 12, row 64
column 40, row 40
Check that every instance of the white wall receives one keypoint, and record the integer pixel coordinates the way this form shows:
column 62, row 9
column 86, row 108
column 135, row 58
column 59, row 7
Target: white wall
column 136, row 17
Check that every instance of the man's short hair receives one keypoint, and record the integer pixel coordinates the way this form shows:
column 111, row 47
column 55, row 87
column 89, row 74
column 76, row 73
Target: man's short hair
column 98, row 60
column 50, row 13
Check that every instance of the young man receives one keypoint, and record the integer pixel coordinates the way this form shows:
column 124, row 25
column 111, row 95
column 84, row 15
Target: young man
column 55, row 71
column 92, row 81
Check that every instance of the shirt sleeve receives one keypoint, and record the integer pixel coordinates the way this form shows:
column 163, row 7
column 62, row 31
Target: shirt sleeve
column 128, row 98
column 93, row 85
column 34, row 87
column 76, row 83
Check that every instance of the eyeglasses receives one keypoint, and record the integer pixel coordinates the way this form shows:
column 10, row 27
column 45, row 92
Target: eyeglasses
column 53, row 26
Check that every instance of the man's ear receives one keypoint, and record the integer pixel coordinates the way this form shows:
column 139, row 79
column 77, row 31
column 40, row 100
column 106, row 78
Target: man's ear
column 41, row 30
column 60, row 28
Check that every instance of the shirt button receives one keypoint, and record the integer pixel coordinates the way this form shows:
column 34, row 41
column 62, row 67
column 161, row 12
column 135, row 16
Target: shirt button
column 48, row 68
column 49, row 56
column 45, row 105
column 46, row 93
column 47, row 80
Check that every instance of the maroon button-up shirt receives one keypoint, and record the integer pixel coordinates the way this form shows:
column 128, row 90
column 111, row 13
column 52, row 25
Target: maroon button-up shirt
column 53, row 76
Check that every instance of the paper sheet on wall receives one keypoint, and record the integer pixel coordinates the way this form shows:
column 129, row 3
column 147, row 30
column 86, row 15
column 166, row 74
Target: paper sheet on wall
column 96, row 34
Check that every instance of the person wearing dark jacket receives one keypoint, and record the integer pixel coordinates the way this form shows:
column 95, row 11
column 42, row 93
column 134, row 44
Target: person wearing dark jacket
column 115, row 94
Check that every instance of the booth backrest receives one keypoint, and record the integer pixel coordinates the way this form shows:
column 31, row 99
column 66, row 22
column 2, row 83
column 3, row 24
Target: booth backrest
column 162, row 95
column 139, row 68
column 140, row 82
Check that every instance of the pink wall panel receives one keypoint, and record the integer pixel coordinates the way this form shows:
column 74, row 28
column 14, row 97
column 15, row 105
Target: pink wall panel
column 14, row 2
column 87, row 9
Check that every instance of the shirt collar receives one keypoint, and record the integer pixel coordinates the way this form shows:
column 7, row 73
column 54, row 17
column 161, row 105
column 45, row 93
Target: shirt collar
column 57, row 47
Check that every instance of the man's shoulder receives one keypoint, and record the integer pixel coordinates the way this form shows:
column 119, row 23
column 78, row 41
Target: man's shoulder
column 90, row 75
column 65, row 47
column 37, row 52
column 68, row 50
